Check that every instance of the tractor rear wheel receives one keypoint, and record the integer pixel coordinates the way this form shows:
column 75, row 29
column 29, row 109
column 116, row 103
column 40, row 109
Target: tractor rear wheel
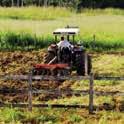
column 80, row 65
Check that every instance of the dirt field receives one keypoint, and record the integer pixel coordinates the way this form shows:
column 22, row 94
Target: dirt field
column 21, row 63
column 103, row 64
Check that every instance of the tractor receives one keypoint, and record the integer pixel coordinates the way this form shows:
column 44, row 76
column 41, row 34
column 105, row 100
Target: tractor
column 63, row 62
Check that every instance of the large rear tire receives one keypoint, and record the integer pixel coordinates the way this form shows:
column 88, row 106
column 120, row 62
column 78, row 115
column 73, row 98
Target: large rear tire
column 80, row 64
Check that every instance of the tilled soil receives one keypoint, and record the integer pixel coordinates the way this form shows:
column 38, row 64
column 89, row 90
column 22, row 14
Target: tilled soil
column 20, row 63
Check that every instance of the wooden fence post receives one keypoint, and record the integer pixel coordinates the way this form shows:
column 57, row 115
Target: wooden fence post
column 91, row 92
column 30, row 91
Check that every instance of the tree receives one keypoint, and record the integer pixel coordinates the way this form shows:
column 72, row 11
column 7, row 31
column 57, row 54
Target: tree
column 22, row 2
column 12, row 2
column 66, row 3
column 18, row 3
column 45, row 2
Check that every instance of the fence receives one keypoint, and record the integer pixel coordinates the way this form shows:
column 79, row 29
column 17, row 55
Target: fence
column 30, row 78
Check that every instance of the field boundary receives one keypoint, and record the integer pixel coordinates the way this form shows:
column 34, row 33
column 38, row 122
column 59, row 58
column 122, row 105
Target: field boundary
column 30, row 91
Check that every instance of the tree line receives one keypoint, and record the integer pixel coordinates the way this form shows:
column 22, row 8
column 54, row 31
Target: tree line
column 65, row 3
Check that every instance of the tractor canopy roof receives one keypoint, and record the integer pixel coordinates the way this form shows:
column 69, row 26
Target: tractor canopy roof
column 66, row 31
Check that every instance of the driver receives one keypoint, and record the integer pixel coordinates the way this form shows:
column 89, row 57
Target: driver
column 64, row 44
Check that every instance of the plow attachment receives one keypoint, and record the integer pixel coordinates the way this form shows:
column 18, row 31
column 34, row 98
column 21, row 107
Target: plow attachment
column 51, row 69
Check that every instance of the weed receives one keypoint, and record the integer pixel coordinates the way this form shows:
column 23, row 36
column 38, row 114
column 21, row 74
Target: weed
column 47, row 118
column 10, row 115
column 75, row 118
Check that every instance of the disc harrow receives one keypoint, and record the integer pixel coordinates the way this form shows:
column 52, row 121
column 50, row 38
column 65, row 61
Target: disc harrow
column 51, row 69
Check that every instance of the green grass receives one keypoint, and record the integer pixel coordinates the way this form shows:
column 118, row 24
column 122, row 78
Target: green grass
column 106, row 11
column 106, row 25
column 10, row 115
column 51, row 13
column 59, row 116
column 109, row 65
column 34, row 13
column 27, row 41
column 11, row 41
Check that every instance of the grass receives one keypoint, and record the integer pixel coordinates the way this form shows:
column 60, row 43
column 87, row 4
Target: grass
column 59, row 116
column 11, row 41
column 106, row 11
column 51, row 13
column 34, row 13
column 106, row 25
column 10, row 115
column 83, row 100
column 109, row 65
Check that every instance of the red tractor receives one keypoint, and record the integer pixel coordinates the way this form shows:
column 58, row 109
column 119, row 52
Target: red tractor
column 62, row 62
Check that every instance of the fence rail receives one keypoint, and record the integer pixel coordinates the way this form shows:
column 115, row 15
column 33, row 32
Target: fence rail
column 47, row 78
column 30, row 91
column 25, row 105
column 60, row 92
column 108, row 78
column 41, row 78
